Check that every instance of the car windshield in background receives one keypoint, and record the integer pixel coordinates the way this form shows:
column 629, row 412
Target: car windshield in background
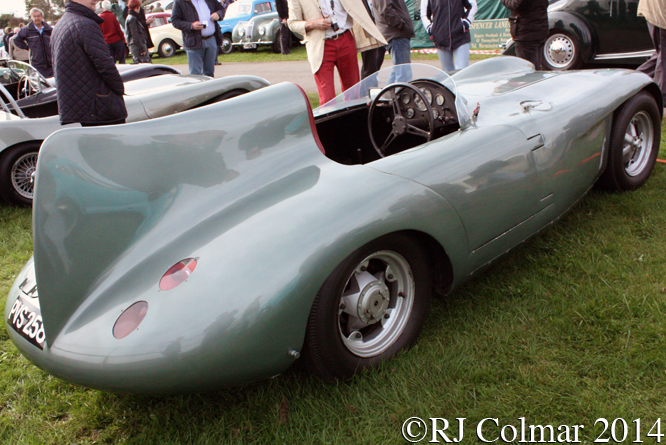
column 369, row 88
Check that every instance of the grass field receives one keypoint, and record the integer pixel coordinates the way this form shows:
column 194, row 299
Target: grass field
column 267, row 55
column 566, row 329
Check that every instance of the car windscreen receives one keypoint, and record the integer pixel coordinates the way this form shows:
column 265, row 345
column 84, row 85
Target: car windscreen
column 368, row 88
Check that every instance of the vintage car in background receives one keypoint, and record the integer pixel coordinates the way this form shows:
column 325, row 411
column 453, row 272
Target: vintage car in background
column 217, row 246
column 588, row 33
column 241, row 11
column 24, row 128
column 260, row 30
column 166, row 38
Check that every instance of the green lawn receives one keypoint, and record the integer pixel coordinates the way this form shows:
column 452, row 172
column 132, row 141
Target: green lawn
column 265, row 54
column 566, row 329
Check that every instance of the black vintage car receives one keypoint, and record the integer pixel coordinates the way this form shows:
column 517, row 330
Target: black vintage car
column 594, row 32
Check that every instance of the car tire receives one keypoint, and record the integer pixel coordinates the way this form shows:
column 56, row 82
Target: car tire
column 387, row 283
column 226, row 46
column 561, row 52
column 167, row 48
column 17, row 168
column 634, row 144
column 276, row 46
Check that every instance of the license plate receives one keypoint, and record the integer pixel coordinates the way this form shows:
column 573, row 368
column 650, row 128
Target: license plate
column 250, row 46
column 26, row 319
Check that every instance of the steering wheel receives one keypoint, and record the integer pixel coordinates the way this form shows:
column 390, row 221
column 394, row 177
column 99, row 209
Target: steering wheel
column 412, row 114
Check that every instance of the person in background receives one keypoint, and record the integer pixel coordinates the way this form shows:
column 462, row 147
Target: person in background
column 144, row 21
column 282, row 7
column 9, row 33
column 136, row 33
column 329, row 41
column 89, row 87
column 16, row 53
column 197, row 19
column 36, row 37
column 654, row 12
column 158, row 7
column 529, row 28
column 119, row 10
column 395, row 24
column 113, row 34
column 372, row 58
column 448, row 23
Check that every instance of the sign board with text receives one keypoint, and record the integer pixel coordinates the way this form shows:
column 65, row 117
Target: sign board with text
column 489, row 34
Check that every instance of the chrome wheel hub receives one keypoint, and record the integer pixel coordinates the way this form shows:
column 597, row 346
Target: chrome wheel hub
column 23, row 175
column 638, row 144
column 559, row 50
column 376, row 303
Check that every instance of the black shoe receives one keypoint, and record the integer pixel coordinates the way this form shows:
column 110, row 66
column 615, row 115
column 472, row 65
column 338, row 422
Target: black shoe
column 217, row 63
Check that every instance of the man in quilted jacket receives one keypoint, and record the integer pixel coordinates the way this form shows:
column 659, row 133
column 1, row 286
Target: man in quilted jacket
column 90, row 90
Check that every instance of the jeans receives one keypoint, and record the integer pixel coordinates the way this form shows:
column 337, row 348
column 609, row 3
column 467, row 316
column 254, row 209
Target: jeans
column 456, row 59
column 531, row 51
column 202, row 61
column 399, row 50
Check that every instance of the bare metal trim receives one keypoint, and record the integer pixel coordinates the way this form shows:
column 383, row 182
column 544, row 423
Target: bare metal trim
column 647, row 53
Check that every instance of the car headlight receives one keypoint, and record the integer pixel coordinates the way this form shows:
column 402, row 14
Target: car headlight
column 241, row 31
column 262, row 30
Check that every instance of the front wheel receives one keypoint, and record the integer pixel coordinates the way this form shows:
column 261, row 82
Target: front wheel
column 561, row 52
column 372, row 306
column 634, row 144
column 226, row 46
column 17, row 174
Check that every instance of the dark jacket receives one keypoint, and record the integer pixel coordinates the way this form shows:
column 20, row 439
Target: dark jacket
column 89, row 86
column 447, row 27
column 184, row 14
column 393, row 19
column 136, row 34
column 529, row 19
column 142, row 20
column 39, row 45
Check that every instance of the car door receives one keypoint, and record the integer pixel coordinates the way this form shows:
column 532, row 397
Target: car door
column 488, row 175
column 616, row 24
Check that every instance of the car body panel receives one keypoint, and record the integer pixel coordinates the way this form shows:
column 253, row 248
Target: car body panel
column 246, row 190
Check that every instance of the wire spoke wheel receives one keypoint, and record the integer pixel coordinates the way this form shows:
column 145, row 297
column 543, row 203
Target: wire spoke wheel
column 23, row 175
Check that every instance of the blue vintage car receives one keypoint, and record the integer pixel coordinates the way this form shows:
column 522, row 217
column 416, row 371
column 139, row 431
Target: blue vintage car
column 241, row 11
column 218, row 246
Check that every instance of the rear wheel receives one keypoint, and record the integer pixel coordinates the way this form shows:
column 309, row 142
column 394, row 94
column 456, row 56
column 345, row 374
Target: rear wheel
column 634, row 144
column 561, row 52
column 17, row 173
column 167, row 48
column 372, row 306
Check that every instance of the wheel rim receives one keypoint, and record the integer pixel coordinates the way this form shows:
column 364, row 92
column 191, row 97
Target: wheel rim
column 560, row 51
column 638, row 143
column 23, row 175
column 376, row 304
column 226, row 45
column 167, row 49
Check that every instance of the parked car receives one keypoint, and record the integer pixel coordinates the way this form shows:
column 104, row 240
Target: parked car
column 166, row 38
column 23, row 130
column 588, row 33
column 36, row 95
column 217, row 246
column 241, row 10
column 260, row 30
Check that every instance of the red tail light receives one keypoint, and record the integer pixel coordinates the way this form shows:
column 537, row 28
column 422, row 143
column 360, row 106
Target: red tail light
column 178, row 273
column 130, row 319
